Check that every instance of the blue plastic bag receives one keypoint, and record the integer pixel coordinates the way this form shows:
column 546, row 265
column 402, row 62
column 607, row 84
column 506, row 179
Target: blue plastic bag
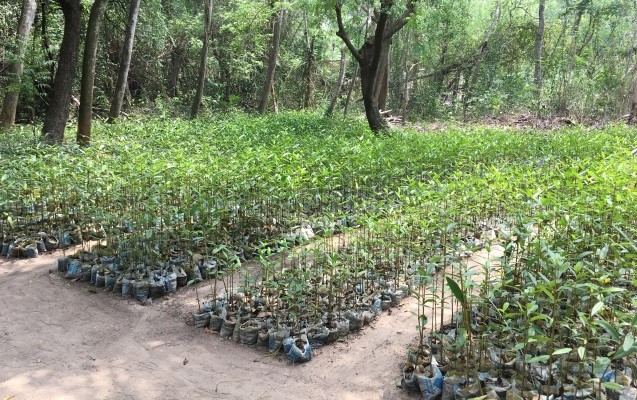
column 298, row 349
column 430, row 387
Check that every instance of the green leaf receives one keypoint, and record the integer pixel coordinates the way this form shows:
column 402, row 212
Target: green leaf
column 629, row 340
column 518, row 346
column 149, row 233
column 581, row 351
column 455, row 289
column 613, row 386
column 609, row 328
column 597, row 308
column 542, row 358
column 562, row 351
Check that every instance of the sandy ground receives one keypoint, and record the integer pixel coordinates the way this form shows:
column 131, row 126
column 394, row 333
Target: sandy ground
column 60, row 341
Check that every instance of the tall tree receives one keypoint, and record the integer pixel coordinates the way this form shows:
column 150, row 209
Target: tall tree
column 632, row 116
column 88, row 72
column 203, row 61
column 58, row 111
column 14, row 75
column 371, row 54
column 480, row 56
column 273, row 54
column 124, row 62
column 539, row 39
column 339, row 85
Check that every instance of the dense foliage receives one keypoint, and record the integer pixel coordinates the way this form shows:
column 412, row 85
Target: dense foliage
column 453, row 59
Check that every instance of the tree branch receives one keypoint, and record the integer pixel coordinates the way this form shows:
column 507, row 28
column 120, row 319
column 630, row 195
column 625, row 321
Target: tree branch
column 343, row 35
column 401, row 21
column 379, row 35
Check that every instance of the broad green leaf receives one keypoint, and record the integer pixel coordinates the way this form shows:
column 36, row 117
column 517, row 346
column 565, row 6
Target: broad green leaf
column 629, row 340
column 609, row 328
column 562, row 351
column 455, row 289
column 149, row 233
column 581, row 352
column 597, row 308
column 542, row 358
column 613, row 386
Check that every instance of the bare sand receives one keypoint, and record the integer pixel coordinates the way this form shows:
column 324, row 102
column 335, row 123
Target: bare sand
column 60, row 341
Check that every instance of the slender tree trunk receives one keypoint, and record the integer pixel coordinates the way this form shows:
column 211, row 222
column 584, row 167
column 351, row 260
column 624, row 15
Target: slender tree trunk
column 480, row 57
column 88, row 72
column 201, row 80
column 174, row 68
column 47, row 48
column 14, row 75
column 632, row 104
column 124, row 63
column 539, row 38
column 272, row 57
column 309, row 71
column 339, row 86
column 350, row 90
column 632, row 117
column 581, row 7
column 58, row 111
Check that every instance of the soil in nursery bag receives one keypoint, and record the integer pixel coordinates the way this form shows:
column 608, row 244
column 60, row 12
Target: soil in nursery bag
column 355, row 320
column 276, row 337
column 73, row 269
column 109, row 281
column 317, row 335
column 201, row 319
column 430, row 381
column 297, row 348
column 249, row 332
column 227, row 328
column 63, row 262
column 216, row 319
column 408, row 380
column 142, row 290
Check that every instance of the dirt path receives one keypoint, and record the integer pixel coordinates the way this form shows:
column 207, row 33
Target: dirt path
column 60, row 341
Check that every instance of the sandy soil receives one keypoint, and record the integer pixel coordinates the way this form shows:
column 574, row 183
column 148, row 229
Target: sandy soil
column 60, row 341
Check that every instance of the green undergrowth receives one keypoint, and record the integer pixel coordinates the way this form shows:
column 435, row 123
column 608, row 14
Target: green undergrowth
column 205, row 194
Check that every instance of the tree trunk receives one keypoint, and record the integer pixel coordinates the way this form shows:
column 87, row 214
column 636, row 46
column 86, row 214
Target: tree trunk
column 479, row 58
column 382, row 78
column 201, row 80
column 369, row 82
column 539, row 38
column 566, row 92
column 58, row 111
column 632, row 117
column 174, row 69
column 272, row 57
column 14, row 72
column 350, row 90
column 46, row 47
column 88, row 72
column 309, row 71
column 339, row 86
column 124, row 62
column 370, row 57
